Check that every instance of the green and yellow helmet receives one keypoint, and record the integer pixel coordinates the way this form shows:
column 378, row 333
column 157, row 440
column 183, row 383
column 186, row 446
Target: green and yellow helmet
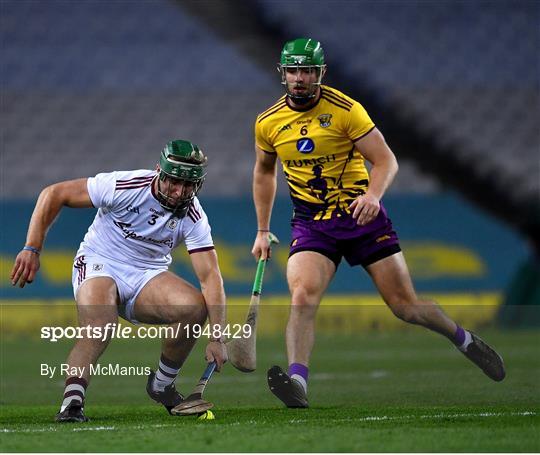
column 181, row 161
column 302, row 53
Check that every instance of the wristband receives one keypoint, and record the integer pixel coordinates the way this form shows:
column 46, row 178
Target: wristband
column 32, row 249
column 263, row 230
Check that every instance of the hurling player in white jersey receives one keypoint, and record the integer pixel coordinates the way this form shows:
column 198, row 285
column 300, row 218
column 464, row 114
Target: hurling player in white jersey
column 121, row 267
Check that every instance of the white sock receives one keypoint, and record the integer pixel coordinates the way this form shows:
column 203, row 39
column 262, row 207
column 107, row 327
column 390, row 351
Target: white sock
column 468, row 340
column 165, row 375
column 75, row 390
column 301, row 380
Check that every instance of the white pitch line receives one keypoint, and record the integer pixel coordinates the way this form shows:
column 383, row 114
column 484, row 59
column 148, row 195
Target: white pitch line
column 109, row 428
column 254, row 422
column 426, row 416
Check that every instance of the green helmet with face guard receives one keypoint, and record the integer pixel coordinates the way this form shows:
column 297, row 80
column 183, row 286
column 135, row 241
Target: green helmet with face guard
column 180, row 161
column 302, row 54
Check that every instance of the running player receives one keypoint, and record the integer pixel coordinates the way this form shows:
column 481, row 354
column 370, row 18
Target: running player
column 121, row 267
column 322, row 138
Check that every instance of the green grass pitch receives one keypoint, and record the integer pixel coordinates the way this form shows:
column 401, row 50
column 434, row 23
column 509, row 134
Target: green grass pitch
column 393, row 391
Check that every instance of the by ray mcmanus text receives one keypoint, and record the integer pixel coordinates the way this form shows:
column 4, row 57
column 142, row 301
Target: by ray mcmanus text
column 108, row 369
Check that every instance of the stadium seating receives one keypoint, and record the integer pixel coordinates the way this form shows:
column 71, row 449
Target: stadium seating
column 464, row 72
column 93, row 86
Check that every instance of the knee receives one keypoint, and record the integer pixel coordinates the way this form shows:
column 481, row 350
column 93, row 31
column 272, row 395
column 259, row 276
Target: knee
column 96, row 335
column 302, row 296
column 304, row 303
column 96, row 325
column 97, row 315
column 199, row 313
column 192, row 313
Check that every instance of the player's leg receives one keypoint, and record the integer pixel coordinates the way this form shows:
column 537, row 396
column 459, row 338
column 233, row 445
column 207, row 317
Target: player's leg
column 308, row 275
column 168, row 299
column 97, row 301
column 392, row 278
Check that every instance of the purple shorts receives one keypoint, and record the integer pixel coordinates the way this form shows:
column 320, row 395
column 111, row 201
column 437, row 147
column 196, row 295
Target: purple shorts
column 341, row 237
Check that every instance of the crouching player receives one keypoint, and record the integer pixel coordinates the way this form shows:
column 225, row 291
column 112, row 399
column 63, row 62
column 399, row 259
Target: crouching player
column 121, row 267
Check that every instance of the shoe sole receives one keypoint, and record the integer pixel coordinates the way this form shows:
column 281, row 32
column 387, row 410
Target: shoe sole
column 497, row 376
column 279, row 385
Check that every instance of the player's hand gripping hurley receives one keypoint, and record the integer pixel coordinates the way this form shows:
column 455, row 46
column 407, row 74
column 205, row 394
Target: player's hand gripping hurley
column 243, row 351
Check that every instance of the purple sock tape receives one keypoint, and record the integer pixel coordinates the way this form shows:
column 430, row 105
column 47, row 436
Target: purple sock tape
column 459, row 336
column 298, row 368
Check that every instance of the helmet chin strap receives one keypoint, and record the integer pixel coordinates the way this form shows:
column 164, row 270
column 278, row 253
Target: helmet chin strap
column 301, row 100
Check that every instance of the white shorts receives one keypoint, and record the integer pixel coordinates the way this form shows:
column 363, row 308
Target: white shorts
column 129, row 280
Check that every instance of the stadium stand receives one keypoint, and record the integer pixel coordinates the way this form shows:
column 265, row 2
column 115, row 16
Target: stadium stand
column 455, row 84
column 92, row 86
column 437, row 62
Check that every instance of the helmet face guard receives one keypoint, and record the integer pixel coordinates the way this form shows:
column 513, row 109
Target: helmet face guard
column 306, row 55
column 180, row 162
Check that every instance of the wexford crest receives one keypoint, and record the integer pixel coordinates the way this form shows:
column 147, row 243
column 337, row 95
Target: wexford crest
column 325, row 120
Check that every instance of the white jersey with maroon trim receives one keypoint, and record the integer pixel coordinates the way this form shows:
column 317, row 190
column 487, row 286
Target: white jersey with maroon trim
column 132, row 227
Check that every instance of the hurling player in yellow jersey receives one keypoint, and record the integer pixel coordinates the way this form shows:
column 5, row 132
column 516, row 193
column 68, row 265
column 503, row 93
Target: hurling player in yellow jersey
column 323, row 138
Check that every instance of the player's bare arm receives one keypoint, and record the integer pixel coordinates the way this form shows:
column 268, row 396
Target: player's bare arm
column 205, row 264
column 264, row 192
column 71, row 193
column 374, row 148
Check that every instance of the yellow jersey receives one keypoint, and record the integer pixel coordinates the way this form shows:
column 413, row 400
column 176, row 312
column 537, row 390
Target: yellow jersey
column 323, row 169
